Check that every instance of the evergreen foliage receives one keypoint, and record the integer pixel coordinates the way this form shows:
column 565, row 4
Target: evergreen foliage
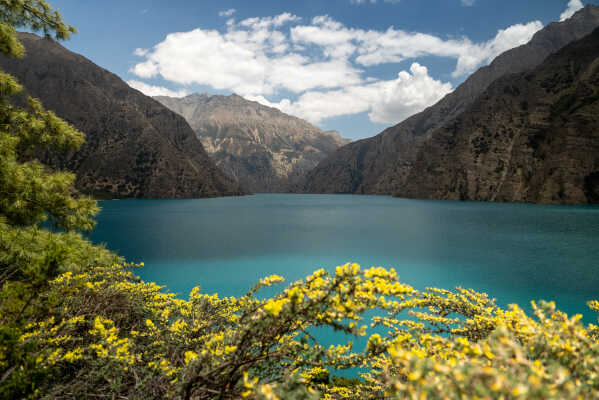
column 30, row 194
column 75, row 322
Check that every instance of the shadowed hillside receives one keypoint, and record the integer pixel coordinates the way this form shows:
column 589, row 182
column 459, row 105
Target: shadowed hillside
column 382, row 164
column 135, row 147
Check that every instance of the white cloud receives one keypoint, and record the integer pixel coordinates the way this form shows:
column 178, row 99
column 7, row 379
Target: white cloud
column 408, row 94
column 267, row 22
column 319, row 65
column 386, row 101
column 514, row 36
column 333, row 37
column 468, row 3
column 249, row 58
column 393, row 46
column 227, row 13
column 140, row 52
column 151, row 90
column 573, row 6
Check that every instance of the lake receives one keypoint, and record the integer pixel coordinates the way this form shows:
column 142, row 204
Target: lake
column 513, row 252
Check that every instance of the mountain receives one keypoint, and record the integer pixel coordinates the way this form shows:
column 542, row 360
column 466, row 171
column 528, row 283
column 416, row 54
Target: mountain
column 383, row 163
column 532, row 137
column 135, row 147
column 263, row 148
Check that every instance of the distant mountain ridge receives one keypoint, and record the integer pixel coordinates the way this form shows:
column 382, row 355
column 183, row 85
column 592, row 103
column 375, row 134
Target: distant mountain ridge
column 135, row 147
column 382, row 164
column 263, row 148
column 530, row 137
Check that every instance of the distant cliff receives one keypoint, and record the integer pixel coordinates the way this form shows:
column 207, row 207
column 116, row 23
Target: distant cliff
column 263, row 148
column 135, row 147
column 532, row 137
column 383, row 164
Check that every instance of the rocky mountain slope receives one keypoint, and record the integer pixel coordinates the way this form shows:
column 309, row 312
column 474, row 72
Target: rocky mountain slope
column 135, row 147
column 265, row 149
column 382, row 164
column 532, row 136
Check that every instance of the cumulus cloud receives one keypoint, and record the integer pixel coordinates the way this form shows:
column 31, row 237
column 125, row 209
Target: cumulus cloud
column 515, row 35
column 151, row 90
column 572, row 7
column 140, row 52
column 227, row 13
column 393, row 46
column 406, row 95
column 468, row 3
column 250, row 58
column 320, row 65
column 386, row 101
column 267, row 22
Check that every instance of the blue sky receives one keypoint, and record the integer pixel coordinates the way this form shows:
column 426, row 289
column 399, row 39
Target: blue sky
column 357, row 66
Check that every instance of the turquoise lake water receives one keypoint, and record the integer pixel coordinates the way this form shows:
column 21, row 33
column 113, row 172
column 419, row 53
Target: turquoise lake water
column 513, row 252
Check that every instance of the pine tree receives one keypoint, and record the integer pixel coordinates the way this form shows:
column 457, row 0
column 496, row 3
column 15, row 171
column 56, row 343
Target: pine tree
column 40, row 211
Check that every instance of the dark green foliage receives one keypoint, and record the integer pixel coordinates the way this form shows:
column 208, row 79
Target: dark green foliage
column 33, row 14
column 346, row 382
column 31, row 193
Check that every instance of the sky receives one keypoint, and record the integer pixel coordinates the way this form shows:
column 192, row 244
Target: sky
column 355, row 66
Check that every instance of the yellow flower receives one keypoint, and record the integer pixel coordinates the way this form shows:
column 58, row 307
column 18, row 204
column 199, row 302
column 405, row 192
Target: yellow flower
column 413, row 376
column 274, row 307
column 190, row 356
column 519, row 390
column 73, row 355
column 150, row 324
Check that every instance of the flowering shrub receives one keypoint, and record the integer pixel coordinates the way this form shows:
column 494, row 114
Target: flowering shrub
column 110, row 333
